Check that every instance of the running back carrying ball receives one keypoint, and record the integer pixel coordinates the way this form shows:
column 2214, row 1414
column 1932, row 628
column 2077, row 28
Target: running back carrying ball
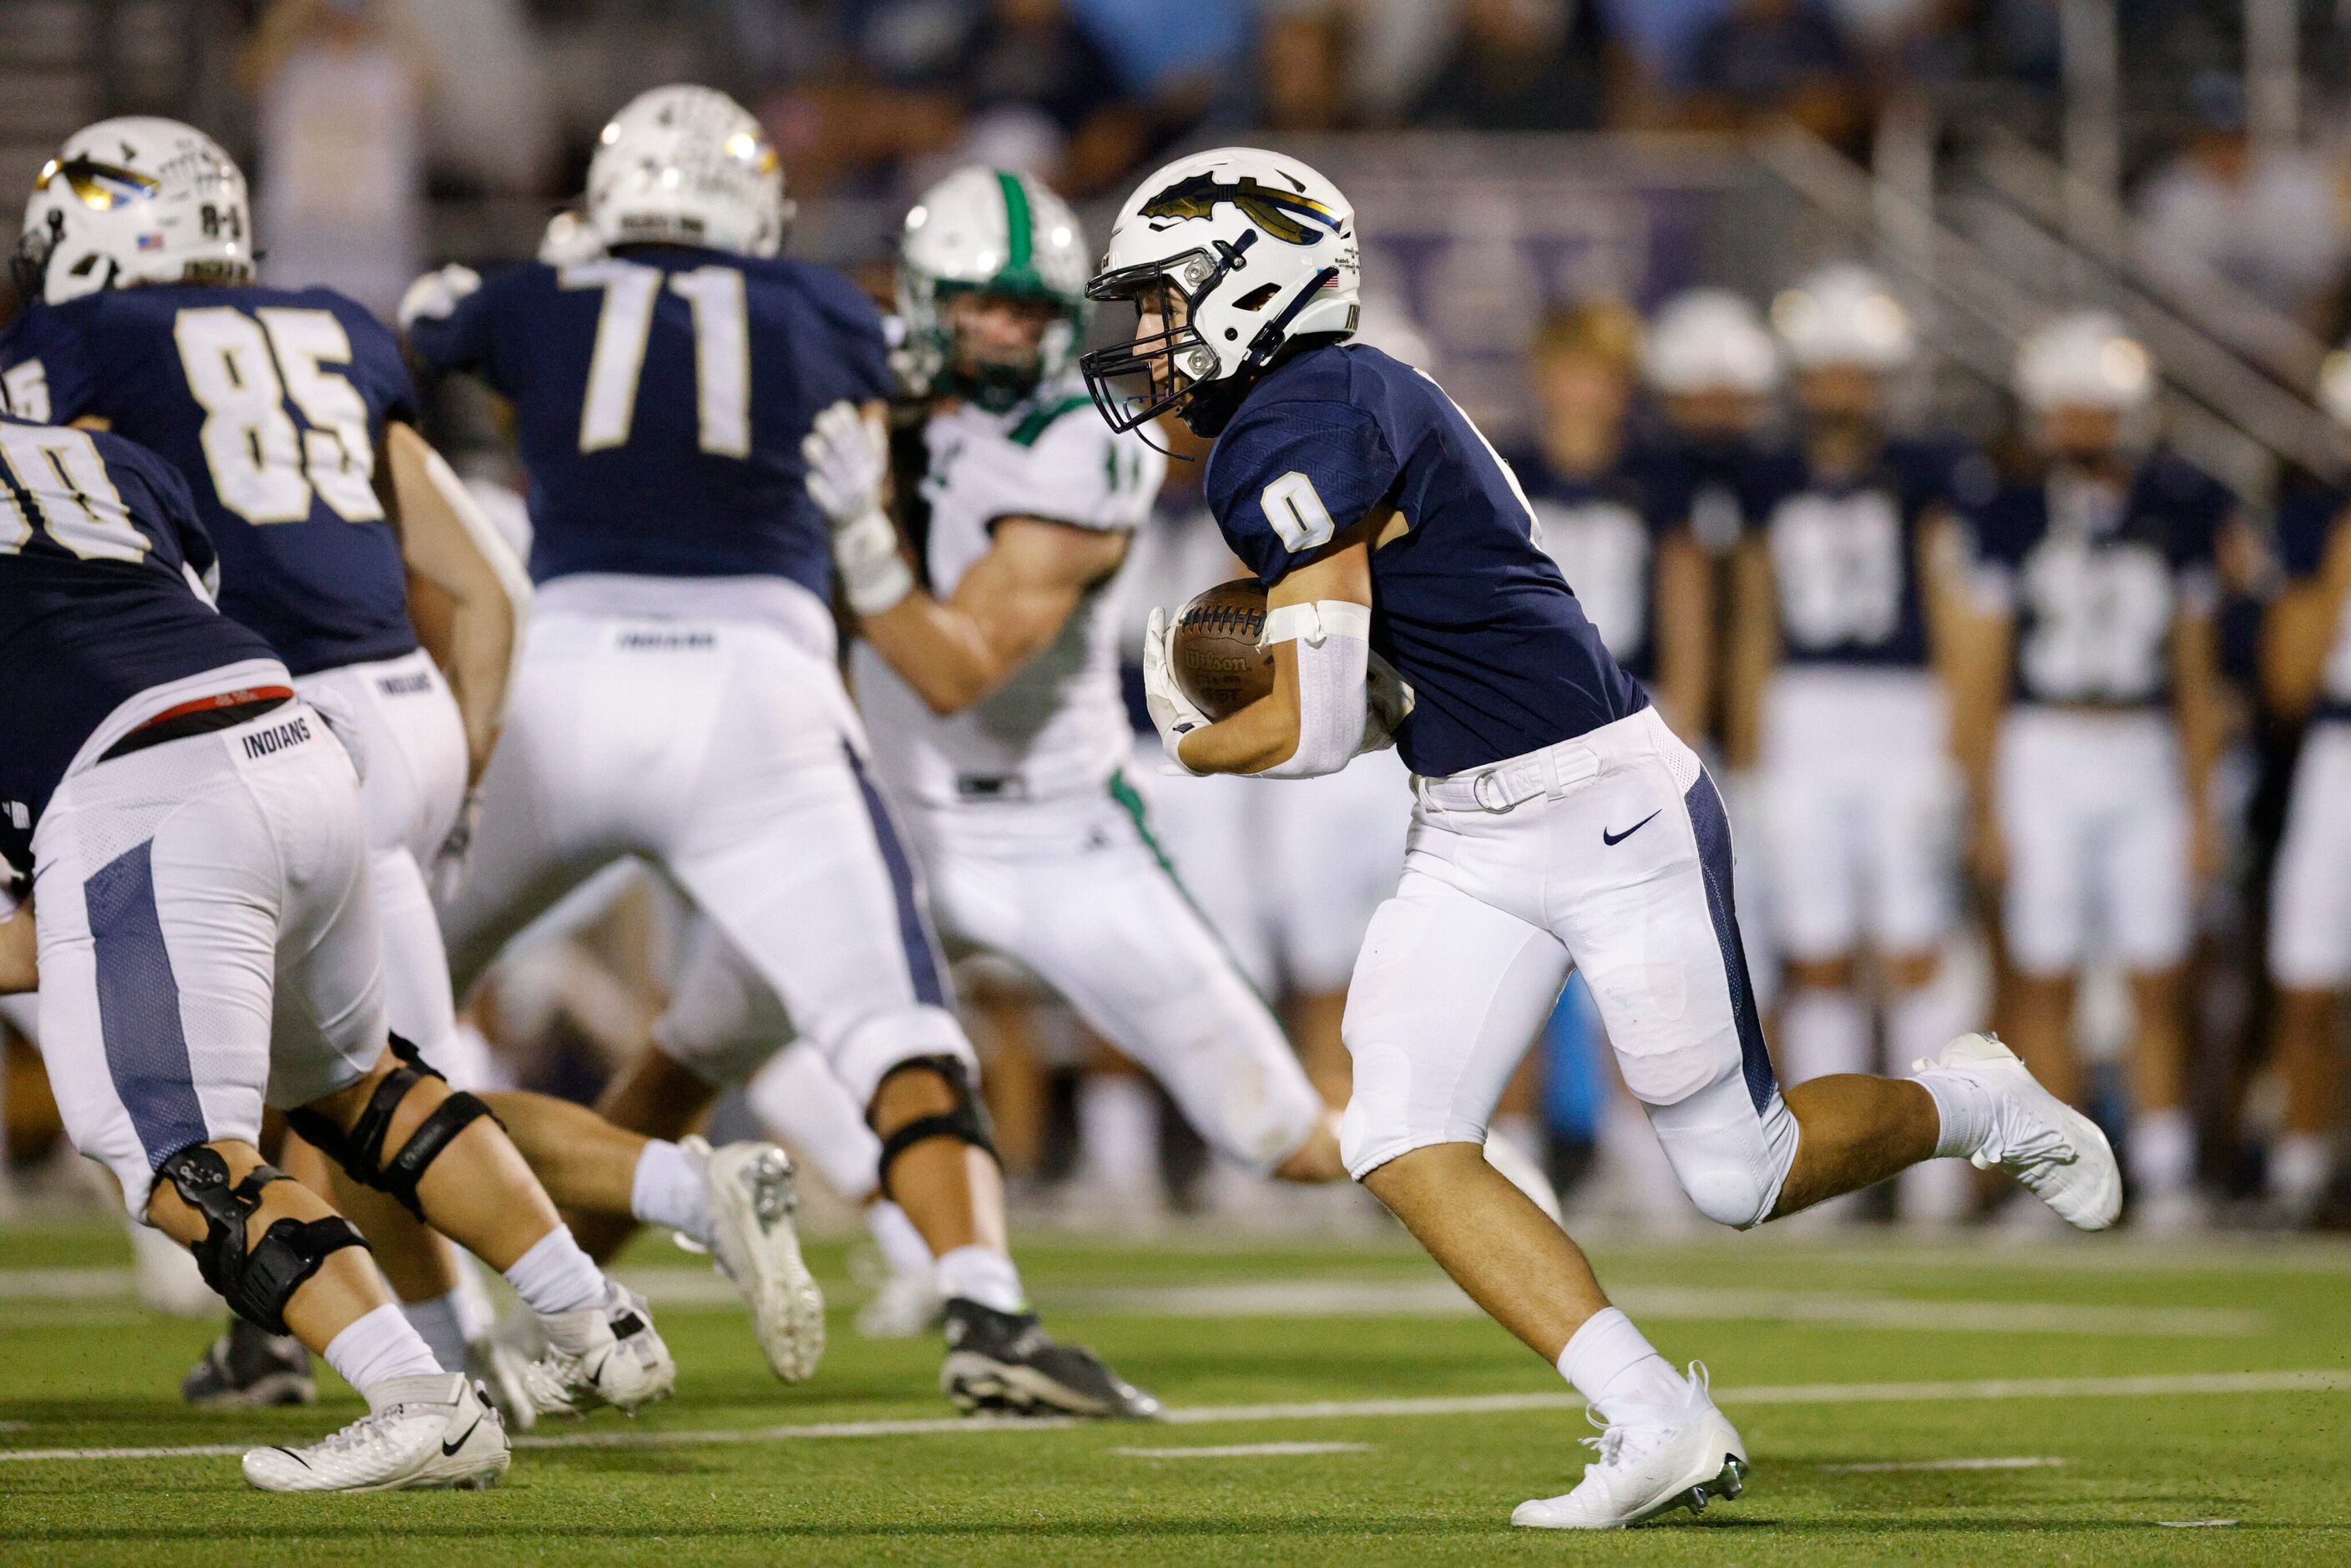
column 1221, row 662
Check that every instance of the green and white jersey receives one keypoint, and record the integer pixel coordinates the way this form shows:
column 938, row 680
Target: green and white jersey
column 1060, row 726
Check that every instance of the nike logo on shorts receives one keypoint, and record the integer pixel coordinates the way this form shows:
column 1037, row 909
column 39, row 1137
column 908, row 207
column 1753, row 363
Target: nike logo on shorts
column 1613, row 839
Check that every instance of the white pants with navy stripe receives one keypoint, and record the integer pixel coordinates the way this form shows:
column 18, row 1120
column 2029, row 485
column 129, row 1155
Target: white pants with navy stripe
column 1075, row 889
column 728, row 754
column 399, row 714
column 208, row 940
column 1611, row 852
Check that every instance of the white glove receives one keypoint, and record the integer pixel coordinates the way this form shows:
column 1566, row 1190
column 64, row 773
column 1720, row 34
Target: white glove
column 457, row 852
column 1171, row 711
column 1388, row 700
column 848, row 466
column 436, row 294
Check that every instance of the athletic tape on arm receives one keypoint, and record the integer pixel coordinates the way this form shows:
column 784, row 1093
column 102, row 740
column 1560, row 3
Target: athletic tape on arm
column 1333, row 639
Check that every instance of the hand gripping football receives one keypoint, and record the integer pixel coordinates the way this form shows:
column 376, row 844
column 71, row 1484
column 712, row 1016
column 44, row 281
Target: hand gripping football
column 1214, row 650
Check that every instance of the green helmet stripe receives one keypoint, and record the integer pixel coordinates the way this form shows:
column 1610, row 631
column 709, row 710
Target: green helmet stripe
column 1020, row 266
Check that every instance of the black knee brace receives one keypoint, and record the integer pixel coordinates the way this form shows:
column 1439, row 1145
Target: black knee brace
column 967, row 1122
column 361, row 1151
column 257, row 1281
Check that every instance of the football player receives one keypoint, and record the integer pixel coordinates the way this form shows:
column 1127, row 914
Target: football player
column 2308, row 660
column 1841, row 595
column 679, row 697
column 1557, row 819
column 2098, row 572
column 290, row 414
column 1616, row 517
column 207, row 946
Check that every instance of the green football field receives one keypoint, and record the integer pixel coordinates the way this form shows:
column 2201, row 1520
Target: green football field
column 1963, row 1404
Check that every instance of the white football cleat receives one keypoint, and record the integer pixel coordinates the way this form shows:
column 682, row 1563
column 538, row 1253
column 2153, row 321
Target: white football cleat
column 752, row 1199
column 620, row 1361
column 2057, row 1153
column 437, row 1432
column 1652, row 1459
column 905, row 1305
column 501, row 1371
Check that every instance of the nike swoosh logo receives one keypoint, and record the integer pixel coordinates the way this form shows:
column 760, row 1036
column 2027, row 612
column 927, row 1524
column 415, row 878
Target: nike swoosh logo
column 1615, row 839
column 449, row 1450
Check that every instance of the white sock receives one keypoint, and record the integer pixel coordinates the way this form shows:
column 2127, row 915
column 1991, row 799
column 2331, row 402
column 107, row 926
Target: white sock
column 1966, row 1107
column 669, row 1189
column 440, row 1323
column 379, row 1344
column 978, row 1274
column 902, row 1246
column 1823, row 1032
column 2162, row 1151
column 476, row 1313
column 2301, row 1164
column 1118, row 1130
column 557, row 1276
column 1612, row 1364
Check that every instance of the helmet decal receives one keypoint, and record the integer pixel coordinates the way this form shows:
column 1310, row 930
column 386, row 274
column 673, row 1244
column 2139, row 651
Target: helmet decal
column 1278, row 213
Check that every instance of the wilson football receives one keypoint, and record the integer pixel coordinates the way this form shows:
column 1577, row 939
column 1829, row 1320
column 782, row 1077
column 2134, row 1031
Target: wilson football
column 1214, row 649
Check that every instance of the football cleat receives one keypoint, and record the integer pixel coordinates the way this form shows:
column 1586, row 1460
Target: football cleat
column 248, row 1368
column 618, row 1359
column 1651, row 1459
column 907, row 1304
column 500, row 1371
column 1002, row 1362
column 752, row 1200
column 2057, row 1153
column 435, row 1431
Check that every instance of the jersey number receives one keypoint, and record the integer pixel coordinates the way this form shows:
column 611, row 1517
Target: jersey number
column 63, row 475
column 722, row 351
column 2101, row 619
column 1838, row 563
column 265, row 466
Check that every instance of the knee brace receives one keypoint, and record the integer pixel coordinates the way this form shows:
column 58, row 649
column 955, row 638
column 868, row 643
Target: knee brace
column 361, row 1151
column 967, row 1122
column 256, row 1281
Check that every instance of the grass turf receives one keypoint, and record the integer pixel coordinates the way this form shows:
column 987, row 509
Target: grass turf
column 1422, row 1488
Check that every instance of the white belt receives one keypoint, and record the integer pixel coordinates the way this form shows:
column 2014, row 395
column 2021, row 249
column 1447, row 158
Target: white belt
column 1506, row 785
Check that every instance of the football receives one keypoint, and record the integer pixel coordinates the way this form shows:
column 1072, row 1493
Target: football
column 1214, row 646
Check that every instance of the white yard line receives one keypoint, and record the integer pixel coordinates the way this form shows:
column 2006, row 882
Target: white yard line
column 2158, row 1385
column 1442, row 1298
column 1891, row 1466
column 51, row 1288
column 1247, row 1451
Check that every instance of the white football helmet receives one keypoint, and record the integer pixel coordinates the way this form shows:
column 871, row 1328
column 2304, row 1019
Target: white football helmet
column 1710, row 340
column 137, row 199
column 2334, row 385
column 2086, row 360
column 687, row 165
column 1844, row 315
column 994, row 232
column 1262, row 251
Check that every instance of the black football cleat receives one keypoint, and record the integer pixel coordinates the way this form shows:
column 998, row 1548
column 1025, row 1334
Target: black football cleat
column 248, row 1368
column 1003, row 1363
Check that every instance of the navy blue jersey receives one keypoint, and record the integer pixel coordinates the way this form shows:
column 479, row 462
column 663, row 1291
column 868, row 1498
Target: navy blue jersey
column 661, row 398
column 1605, row 532
column 2308, row 517
column 272, row 403
column 1465, row 604
column 2096, row 576
column 1844, row 549
column 1725, row 481
column 97, row 541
